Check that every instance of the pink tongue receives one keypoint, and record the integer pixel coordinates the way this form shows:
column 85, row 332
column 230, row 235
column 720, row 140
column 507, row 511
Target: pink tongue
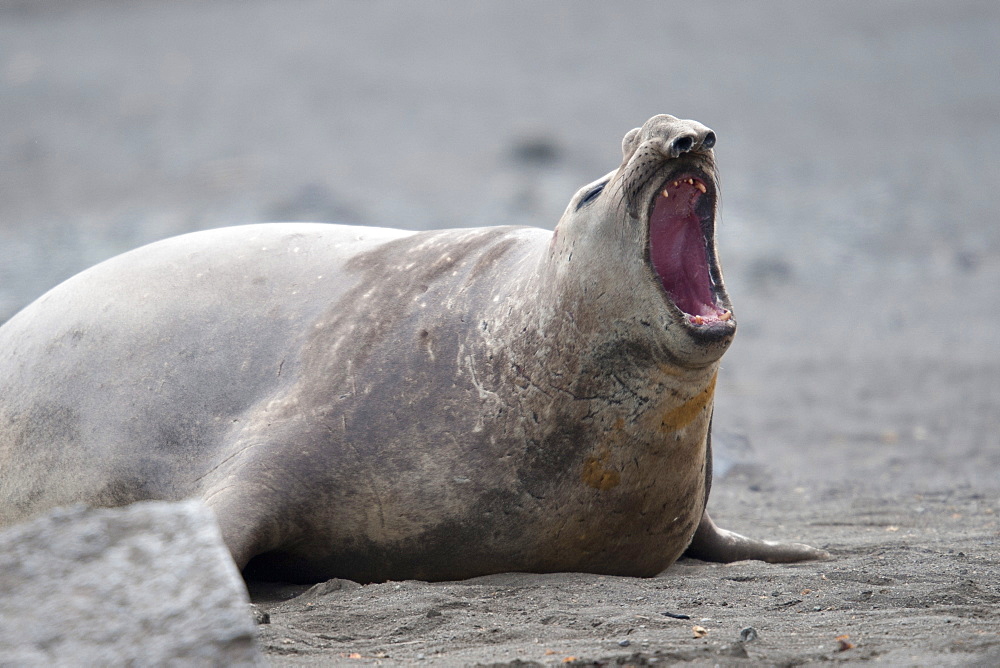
column 677, row 250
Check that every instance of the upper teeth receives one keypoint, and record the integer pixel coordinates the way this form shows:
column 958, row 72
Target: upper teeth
column 691, row 182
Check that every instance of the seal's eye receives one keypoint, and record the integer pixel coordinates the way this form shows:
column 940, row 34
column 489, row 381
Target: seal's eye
column 591, row 195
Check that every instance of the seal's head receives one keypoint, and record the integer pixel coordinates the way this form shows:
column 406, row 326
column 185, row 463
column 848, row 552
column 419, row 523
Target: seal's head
column 658, row 212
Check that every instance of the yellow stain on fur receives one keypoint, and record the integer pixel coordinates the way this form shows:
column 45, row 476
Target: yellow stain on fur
column 597, row 475
column 683, row 415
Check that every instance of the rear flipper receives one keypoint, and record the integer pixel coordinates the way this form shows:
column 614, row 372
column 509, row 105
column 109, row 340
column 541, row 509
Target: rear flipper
column 710, row 543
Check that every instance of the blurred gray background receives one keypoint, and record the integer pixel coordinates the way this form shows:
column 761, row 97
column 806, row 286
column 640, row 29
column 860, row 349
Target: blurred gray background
column 858, row 144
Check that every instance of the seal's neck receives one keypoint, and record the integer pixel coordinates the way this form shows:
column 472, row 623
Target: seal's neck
column 587, row 321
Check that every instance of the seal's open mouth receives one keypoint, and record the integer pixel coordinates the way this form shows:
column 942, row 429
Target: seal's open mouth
column 679, row 226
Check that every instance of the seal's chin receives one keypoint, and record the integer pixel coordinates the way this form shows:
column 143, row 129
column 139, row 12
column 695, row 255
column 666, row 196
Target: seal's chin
column 680, row 224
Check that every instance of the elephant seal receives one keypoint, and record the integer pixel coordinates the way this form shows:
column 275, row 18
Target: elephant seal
column 377, row 404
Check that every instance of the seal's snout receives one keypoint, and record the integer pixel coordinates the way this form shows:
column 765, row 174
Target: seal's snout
column 698, row 138
column 670, row 136
column 669, row 180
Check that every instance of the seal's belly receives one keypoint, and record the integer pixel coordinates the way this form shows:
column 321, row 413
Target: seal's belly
column 614, row 543
column 432, row 527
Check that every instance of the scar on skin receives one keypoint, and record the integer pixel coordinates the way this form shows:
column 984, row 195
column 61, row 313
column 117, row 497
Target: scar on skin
column 597, row 475
column 683, row 415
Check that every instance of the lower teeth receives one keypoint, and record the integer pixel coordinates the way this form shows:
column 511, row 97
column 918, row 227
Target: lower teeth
column 700, row 320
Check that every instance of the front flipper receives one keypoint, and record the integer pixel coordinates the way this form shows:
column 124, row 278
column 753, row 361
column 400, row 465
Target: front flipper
column 710, row 543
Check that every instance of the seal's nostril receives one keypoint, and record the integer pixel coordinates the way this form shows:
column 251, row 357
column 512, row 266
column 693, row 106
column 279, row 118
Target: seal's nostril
column 683, row 144
column 709, row 140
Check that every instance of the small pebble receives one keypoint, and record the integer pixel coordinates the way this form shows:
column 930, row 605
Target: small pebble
column 748, row 634
column 259, row 615
column 624, row 643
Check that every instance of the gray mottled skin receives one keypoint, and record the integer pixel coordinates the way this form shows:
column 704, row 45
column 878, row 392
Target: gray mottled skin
column 373, row 404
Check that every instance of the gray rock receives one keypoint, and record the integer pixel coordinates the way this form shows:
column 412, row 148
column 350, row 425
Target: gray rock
column 149, row 584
